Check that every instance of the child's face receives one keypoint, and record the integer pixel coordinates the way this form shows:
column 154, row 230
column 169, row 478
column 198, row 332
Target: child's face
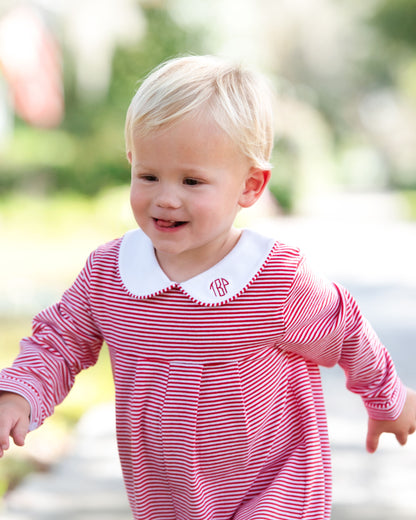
column 188, row 183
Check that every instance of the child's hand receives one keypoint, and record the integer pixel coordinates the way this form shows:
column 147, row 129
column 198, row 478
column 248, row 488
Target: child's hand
column 14, row 420
column 404, row 425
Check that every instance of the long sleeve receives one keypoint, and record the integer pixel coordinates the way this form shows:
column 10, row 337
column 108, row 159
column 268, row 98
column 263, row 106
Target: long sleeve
column 324, row 324
column 65, row 341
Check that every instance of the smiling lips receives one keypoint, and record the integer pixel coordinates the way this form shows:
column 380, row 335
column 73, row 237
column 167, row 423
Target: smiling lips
column 168, row 224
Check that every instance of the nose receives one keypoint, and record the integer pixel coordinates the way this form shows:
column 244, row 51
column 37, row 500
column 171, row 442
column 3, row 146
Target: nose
column 167, row 197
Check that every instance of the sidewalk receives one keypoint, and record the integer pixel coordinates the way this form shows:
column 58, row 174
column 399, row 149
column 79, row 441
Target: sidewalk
column 376, row 260
column 85, row 485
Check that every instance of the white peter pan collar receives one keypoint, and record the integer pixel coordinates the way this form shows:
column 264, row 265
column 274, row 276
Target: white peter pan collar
column 143, row 277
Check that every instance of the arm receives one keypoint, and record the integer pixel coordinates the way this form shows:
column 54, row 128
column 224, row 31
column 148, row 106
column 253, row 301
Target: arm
column 324, row 324
column 65, row 341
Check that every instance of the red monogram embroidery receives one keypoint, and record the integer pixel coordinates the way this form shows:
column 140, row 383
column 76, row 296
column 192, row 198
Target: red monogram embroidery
column 219, row 286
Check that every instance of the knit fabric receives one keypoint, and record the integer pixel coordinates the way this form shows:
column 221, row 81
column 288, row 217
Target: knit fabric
column 219, row 405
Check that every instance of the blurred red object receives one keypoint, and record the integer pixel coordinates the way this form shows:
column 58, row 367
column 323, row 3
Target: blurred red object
column 31, row 63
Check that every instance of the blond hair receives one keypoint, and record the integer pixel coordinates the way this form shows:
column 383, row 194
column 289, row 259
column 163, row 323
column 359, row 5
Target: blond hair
column 238, row 100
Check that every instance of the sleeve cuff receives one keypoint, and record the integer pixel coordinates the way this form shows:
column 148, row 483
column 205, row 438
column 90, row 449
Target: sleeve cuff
column 27, row 392
column 388, row 410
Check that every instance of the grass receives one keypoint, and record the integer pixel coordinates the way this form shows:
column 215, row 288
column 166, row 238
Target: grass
column 408, row 199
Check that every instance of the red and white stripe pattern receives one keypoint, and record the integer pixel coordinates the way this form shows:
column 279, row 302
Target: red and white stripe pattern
column 220, row 413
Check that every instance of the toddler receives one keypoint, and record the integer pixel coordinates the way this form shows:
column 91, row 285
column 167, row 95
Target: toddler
column 215, row 333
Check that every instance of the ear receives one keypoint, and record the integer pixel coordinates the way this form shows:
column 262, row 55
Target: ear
column 129, row 156
column 255, row 184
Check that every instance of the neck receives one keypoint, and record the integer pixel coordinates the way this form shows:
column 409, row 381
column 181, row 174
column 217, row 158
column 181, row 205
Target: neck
column 180, row 268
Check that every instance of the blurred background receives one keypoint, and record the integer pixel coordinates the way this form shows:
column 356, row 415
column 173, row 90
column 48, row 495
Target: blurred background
column 344, row 72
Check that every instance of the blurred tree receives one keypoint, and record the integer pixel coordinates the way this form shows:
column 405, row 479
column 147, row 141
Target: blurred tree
column 87, row 153
column 396, row 20
column 349, row 78
column 164, row 39
column 389, row 112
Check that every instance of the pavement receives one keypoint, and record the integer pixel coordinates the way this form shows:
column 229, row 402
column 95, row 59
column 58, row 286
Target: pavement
column 373, row 254
column 86, row 484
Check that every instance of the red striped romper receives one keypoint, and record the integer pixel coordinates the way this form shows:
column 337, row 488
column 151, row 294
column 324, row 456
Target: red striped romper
column 220, row 412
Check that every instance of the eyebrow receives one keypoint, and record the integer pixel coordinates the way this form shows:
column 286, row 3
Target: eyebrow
column 186, row 169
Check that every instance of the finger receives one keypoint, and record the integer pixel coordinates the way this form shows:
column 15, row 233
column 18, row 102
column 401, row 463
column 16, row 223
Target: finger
column 4, row 438
column 4, row 446
column 372, row 441
column 373, row 435
column 401, row 438
column 19, row 433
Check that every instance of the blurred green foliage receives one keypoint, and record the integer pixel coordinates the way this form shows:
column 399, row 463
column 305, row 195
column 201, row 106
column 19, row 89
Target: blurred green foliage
column 396, row 19
column 87, row 153
column 13, row 470
column 284, row 175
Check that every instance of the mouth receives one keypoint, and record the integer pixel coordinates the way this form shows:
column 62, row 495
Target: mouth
column 168, row 224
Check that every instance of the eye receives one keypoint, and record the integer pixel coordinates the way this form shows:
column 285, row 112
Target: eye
column 189, row 181
column 148, row 177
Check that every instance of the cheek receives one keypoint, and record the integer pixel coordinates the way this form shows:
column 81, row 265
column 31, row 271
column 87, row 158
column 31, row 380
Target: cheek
column 203, row 207
column 136, row 200
column 215, row 210
column 132, row 198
